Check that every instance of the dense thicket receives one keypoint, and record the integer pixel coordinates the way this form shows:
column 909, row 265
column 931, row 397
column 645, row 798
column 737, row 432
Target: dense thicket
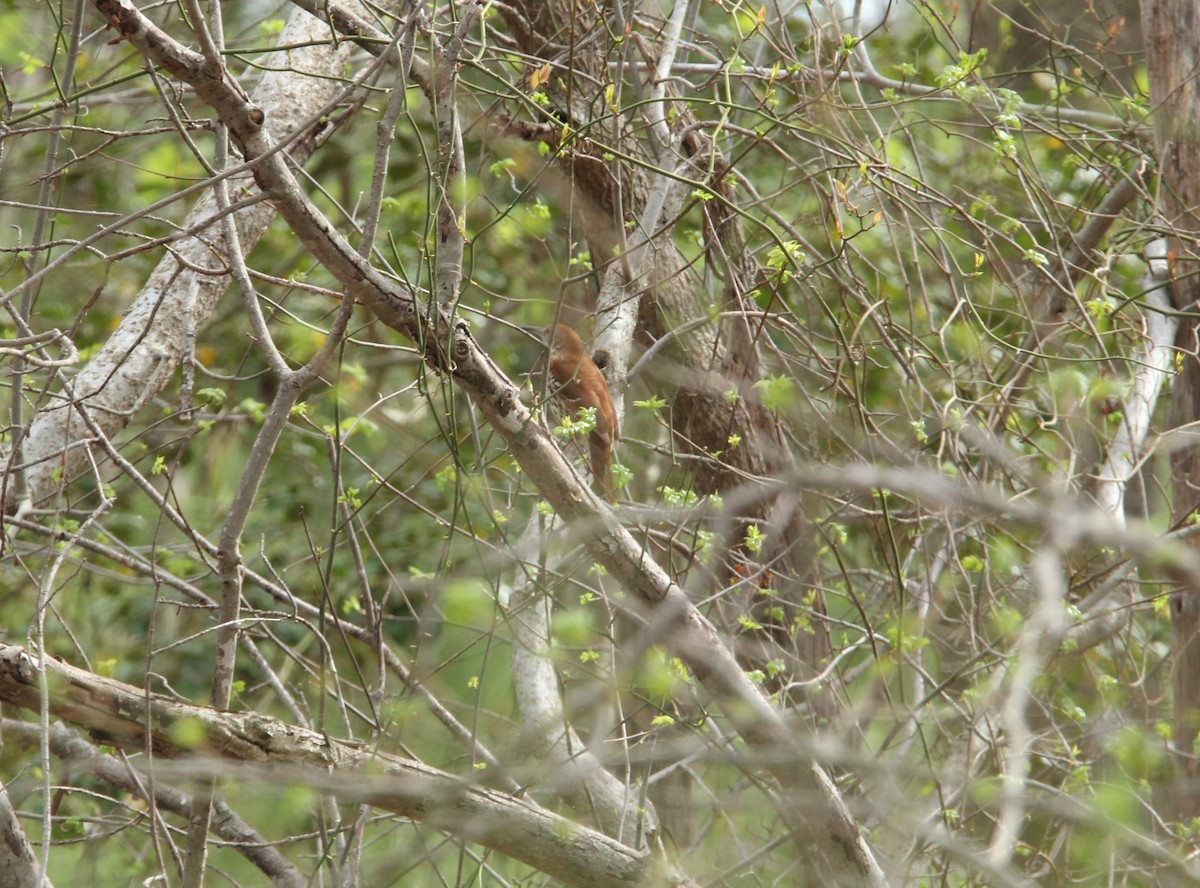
column 304, row 578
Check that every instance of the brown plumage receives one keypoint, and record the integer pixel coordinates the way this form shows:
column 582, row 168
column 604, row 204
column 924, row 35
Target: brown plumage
column 579, row 383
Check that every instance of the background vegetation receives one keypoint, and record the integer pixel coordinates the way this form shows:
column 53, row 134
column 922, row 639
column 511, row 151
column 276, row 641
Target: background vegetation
column 883, row 294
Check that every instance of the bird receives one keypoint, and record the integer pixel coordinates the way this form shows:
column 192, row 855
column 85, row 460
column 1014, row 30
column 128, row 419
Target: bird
column 579, row 383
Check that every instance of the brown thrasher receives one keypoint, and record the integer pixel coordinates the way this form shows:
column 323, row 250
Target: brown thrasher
column 578, row 383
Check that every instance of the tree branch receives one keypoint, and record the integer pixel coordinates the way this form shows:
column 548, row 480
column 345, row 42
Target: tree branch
column 84, row 757
column 19, row 866
column 123, row 716
column 826, row 834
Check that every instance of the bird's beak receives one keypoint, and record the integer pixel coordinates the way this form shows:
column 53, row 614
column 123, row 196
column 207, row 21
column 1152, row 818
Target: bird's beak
column 538, row 333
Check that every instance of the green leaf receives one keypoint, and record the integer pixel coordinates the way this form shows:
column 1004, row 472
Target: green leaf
column 778, row 393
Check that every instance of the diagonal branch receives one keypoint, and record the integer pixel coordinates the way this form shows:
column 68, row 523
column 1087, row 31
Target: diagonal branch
column 519, row 828
column 85, row 757
column 826, row 834
column 142, row 354
column 18, row 865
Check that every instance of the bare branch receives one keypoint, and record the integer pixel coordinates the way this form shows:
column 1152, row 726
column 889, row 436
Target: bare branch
column 19, row 867
column 824, row 829
column 84, row 757
column 515, row 827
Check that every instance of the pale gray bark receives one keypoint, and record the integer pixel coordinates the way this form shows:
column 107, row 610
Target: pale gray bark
column 143, row 354
column 513, row 826
column 569, row 767
column 18, row 864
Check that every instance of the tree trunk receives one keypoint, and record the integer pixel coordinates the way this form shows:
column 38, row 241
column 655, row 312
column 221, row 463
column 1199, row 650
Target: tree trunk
column 1172, row 35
